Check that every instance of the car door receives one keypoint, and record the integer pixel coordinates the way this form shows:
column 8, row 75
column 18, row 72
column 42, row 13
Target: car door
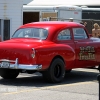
column 65, row 37
column 84, row 47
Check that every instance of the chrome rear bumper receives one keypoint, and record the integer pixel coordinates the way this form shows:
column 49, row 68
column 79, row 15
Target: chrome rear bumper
column 4, row 63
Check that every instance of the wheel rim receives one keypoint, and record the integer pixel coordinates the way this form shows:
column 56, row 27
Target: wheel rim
column 57, row 71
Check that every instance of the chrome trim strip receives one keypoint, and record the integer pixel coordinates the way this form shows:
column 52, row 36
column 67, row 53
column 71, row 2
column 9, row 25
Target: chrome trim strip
column 7, row 60
column 20, row 66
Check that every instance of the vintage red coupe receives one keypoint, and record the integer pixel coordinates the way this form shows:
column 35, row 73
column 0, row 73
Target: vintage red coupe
column 51, row 48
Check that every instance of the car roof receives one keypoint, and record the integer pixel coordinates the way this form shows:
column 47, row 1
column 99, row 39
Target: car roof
column 43, row 24
column 51, row 26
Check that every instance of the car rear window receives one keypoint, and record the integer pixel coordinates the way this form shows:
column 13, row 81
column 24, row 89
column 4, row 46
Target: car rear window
column 39, row 33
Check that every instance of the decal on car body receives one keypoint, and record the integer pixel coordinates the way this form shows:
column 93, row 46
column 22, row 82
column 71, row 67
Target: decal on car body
column 87, row 53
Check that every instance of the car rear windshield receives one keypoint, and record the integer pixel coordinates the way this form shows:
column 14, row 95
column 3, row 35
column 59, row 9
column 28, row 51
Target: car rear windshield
column 39, row 33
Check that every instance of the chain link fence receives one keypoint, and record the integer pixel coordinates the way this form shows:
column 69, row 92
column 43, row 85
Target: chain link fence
column 90, row 23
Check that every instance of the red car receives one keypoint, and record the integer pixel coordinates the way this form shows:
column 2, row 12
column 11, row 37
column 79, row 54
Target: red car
column 51, row 48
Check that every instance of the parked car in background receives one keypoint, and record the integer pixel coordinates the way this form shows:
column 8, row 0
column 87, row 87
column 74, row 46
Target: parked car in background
column 51, row 48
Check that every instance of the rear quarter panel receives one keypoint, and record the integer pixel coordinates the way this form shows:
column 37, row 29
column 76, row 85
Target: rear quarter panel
column 45, row 55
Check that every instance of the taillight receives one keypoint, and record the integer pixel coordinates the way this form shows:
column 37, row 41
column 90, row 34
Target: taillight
column 33, row 53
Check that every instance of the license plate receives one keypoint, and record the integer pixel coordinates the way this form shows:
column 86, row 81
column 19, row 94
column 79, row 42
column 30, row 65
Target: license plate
column 5, row 64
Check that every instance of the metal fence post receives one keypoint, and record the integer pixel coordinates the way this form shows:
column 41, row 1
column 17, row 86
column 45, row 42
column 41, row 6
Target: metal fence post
column 98, row 78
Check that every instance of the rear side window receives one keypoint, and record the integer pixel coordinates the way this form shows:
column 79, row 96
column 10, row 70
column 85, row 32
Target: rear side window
column 79, row 33
column 64, row 35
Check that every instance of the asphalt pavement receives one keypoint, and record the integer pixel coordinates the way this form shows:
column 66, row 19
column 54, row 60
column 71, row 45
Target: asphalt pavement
column 80, row 84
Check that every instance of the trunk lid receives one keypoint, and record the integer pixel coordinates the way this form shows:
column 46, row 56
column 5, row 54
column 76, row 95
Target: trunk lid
column 18, row 48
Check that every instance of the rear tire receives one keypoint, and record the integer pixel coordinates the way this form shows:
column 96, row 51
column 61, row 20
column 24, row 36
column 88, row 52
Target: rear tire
column 56, row 71
column 9, row 73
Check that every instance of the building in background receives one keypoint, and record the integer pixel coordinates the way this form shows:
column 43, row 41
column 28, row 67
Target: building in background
column 53, row 13
column 11, row 12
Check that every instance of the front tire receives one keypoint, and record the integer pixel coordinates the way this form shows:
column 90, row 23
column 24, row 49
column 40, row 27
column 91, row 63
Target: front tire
column 99, row 68
column 68, row 71
column 55, row 72
column 9, row 73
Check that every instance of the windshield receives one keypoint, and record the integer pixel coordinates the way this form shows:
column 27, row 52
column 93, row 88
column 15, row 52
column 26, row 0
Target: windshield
column 39, row 33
